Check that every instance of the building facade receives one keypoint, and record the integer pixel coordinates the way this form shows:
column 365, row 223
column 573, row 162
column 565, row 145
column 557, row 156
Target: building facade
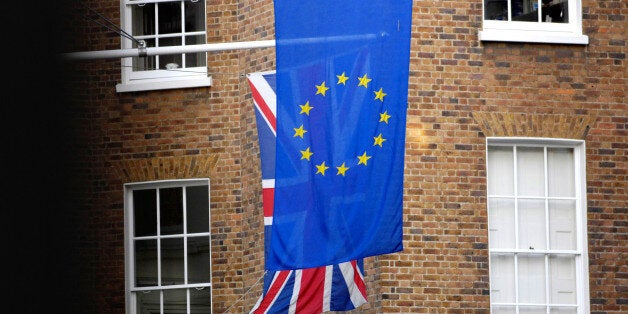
column 515, row 189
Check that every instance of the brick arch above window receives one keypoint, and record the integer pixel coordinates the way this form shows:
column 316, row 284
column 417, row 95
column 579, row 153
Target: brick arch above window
column 498, row 124
column 165, row 168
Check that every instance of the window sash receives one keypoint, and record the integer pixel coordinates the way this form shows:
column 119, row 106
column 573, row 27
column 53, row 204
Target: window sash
column 151, row 73
column 551, row 252
column 548, row 202
column 134, row 292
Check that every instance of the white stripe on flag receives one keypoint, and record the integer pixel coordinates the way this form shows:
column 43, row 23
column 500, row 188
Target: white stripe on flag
column 266, row 91
column 348, row 274
column 268, row 183
column 268, row 221
column 329, row 274
column 295, row 291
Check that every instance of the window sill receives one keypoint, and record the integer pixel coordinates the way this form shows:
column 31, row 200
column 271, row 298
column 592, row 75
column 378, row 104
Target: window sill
column 159, row 85
column 507, row 35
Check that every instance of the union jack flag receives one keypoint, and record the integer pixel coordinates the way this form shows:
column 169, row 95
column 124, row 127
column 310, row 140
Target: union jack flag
column 338, row 287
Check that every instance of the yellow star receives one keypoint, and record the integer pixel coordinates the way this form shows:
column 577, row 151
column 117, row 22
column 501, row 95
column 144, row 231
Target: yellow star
column 342, row 169
column 364, row 81
column 306, row 108
column 342, row 78
column 383, row 117
column 299, row 131
column 306, row 154
column 379, row 140
column 380, row 94
column 321, row 168
column 321, row 89
column 363, row 159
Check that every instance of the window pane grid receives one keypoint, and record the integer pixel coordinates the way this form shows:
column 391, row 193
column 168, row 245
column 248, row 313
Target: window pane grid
column 544, row 205
column 172, row 290
column 169, row 23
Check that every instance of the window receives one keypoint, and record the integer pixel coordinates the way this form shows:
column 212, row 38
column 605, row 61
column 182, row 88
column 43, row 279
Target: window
column 164, row 23
column 537, row 226
column 167, row 245
column 541, row 21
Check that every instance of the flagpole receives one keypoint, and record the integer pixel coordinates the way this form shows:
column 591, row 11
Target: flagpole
column 153, row 51
column 173, row 50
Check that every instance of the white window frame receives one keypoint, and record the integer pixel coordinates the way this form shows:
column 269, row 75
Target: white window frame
column 161, row 78
column 130, row 289
column 581, row 252
column 536, row 32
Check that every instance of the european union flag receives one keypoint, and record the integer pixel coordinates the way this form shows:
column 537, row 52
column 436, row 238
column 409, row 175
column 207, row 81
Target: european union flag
column 342, row 83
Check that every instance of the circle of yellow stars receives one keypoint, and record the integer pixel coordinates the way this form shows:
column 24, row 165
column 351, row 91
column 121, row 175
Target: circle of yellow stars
column 378, row 140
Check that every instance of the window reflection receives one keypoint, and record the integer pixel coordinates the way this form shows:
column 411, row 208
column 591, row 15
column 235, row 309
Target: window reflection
column 554, row 11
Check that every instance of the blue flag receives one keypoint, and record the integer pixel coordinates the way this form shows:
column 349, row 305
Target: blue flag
column 342, row 83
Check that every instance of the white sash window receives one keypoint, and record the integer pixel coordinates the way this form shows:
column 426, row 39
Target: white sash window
column 167, row 247
column 537, row 226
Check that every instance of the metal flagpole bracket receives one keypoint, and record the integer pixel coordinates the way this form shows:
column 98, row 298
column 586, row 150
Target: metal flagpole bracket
column 141, row 47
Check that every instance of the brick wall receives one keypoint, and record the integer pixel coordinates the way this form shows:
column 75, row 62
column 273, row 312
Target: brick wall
column 460, row 91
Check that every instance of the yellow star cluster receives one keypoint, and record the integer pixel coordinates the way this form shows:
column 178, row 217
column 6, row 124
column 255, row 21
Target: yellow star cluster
column 321, row 91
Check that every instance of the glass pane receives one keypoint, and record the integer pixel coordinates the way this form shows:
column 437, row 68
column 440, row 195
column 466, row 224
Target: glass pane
column 175, row 301
column 194, row 16
column 198, row 260
column 530, row 171
column 147, row 301
column 525, row 10
column 145, row 63
column 531, row 279
column 562, row 224
column 555, row 11
column 143, row 19
column 145, row 212
column 197, row 203
column 200, row 300
column 532, row 310
column 560, row 172
column 563, row 310
column 195, row 59
column 518, row 9
column 500, row 171
column 170, row 61
column 145, row 263
column 496, row 10
column 172, row 271
column 169, row 17
column 502, row 278
column 562, row 279
column 171, row 210
column 502, row 223
column 532, row 224
column 502, row 309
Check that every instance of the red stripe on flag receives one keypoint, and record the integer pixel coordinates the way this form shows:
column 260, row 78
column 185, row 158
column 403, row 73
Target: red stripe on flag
column 261, row 103
column 357, row 278
column 312, row 290
column 273, row 291
column 268, row 199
